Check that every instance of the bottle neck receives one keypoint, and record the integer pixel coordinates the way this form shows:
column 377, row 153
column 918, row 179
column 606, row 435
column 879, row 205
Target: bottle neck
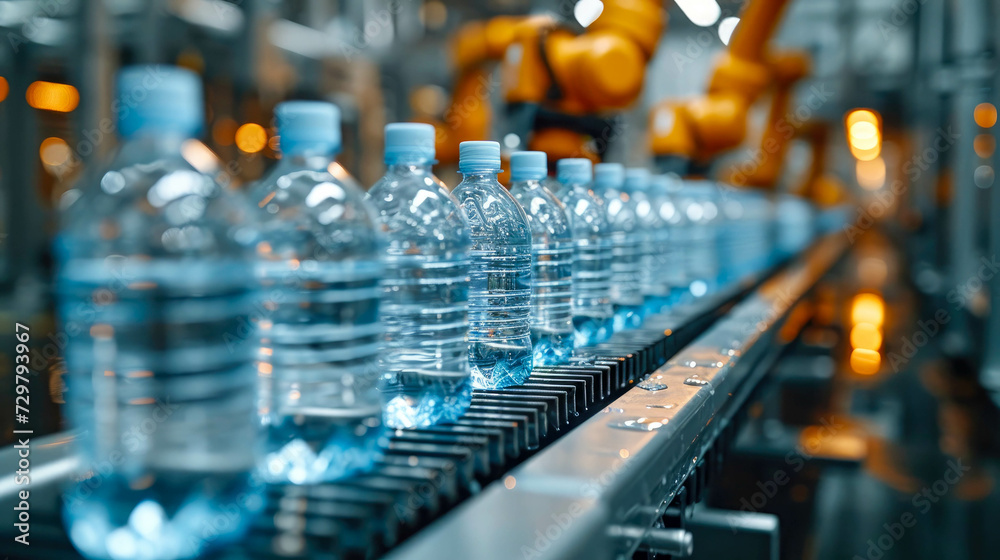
column 577, row 184
column 308, row 159
column 479, row 176
column 529, row 178
column 530, row 183
column 409, row 166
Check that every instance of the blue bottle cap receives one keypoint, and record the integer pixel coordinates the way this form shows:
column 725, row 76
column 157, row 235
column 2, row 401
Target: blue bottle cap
column 409, row 142
column 636, row 179
column 478, row 156
column 575, row 170
column 159, row 99
column 308, row 126
column 609, row 175
column 528, row 166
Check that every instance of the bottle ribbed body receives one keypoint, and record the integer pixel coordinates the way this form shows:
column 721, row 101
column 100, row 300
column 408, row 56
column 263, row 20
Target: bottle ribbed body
column 593, row 313
column 319, row 268
column 500, row 352
column 425, row 298
column 551, row 272
column 156, row 299
column 627, row 258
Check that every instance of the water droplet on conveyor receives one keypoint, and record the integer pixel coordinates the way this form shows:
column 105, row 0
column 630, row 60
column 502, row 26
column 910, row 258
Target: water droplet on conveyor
column 640, row 424
column 695, row 382
column 651, row 385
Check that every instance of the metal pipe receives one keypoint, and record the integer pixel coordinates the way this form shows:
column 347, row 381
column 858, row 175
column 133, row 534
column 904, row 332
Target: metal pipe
column 970, row 43
column 673, row 542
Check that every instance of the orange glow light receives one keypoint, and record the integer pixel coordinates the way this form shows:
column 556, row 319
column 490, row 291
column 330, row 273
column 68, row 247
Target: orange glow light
column 984, row 145
column 985, row 115
column 54, row 151
column 251, row 138
column 866, row 336
column 866, row 362
column 862, row 115
column 864, row 134
column 49, row 96
column 4, row 88
column 868, row 308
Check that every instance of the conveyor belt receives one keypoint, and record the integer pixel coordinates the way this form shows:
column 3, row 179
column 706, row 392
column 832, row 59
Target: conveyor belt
column 596, row 492
column 424, row 473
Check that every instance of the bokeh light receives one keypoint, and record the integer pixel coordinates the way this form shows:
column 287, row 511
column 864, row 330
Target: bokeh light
column 49, row 96
column 251, row 138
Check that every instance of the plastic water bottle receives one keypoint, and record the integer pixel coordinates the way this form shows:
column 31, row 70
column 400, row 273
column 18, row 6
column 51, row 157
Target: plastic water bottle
column 551, row 259
column 425, row 295
column 795, row 225
column 319, row 264
column 156, row 293
column 626, row 239
column 593, row 314
column 653, row 241
column 664, row 276
column 746, row 234
column 500, row 290
column 697, row 200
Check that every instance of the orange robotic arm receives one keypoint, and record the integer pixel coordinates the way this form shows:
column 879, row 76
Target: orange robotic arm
column 823, row 188
column 599, row 70
column 764, row 168
column 468, row 117
column 702, row 127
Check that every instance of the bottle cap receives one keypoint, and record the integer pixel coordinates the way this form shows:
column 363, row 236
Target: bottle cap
column 478, row 156
column 574, row 170
column 312, row 126
column 159, row 98
column 609, row 175
column 636, row 179
column 409, row 142
column 528, row 166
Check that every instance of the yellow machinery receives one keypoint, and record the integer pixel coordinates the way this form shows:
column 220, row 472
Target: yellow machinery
column 556, row 83
column 695, row 130
column 764, row 166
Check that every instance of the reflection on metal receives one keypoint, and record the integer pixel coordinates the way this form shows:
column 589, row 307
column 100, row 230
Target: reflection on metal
column 677, row 543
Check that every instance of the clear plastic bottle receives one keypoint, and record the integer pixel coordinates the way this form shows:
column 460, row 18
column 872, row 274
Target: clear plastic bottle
column 697, row 200
column 156, row 295
column 500, row 290
column 795, row 225
column 551, row 259
column 425, row 366
column 319, row 265
column 654, row 242
column 666, row 281
column 593, row 314
column 626, row 239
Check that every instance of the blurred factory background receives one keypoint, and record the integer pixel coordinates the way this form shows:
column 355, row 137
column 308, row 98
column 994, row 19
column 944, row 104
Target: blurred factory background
column 874, row 434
